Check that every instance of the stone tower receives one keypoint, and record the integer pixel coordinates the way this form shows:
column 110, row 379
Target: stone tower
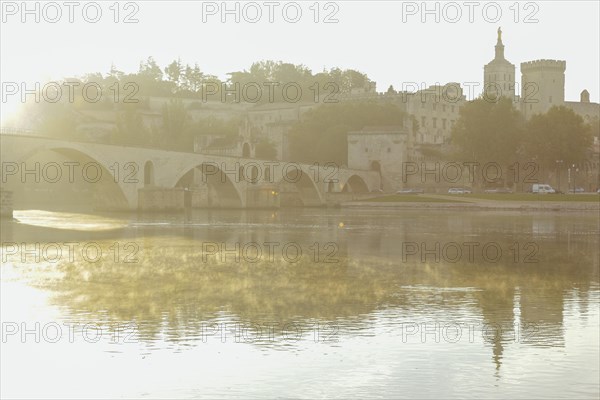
column 585, row 96
column 499, row 74
column 543, row 86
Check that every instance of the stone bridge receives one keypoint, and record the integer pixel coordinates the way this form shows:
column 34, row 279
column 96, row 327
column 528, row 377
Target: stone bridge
column 127, row 173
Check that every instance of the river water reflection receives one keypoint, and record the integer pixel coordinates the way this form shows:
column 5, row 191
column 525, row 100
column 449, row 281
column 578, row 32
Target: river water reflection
column 301, row 303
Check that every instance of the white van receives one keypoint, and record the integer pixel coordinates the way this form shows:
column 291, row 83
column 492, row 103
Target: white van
column 542, row 188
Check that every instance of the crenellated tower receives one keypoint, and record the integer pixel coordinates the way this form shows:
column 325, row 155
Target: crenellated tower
column 543, row 86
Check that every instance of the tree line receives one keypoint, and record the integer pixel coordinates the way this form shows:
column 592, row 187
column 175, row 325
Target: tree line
column 269, row 77
column 495, row 131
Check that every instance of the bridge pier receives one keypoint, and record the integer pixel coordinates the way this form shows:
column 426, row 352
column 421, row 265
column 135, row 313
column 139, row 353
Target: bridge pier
column 262, row 196
column 161, row 199
column 6, row 204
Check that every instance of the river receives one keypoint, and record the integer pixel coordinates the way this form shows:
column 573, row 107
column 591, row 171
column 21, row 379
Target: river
column 301, row 303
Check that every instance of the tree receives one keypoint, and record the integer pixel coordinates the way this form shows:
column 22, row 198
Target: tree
column 114, row 73
column 595, row 127
column 488, row 131
column 352, row 79
column 149, row 80
column 194, row 78
column 151, row 70
column 560, row 134
column 323, row 83
column 210, row 88
column 173, row 72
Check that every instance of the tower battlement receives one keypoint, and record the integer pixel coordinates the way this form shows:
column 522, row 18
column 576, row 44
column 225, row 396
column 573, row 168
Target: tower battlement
column 543, row 85
column 558, row 65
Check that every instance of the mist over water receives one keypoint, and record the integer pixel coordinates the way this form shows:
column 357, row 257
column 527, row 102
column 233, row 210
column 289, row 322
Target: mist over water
column 368, row 316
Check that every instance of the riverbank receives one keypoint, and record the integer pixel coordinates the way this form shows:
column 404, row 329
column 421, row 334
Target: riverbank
column 448, row 202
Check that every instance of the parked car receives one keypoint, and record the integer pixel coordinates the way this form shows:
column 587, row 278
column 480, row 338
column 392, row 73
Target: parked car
column 410, row 191
column 459, row 191
column 542, row 188
column 498, row 190
column 577, row 190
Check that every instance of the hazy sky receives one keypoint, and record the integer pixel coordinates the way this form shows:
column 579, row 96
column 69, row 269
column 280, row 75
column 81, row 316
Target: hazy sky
column 375, row 37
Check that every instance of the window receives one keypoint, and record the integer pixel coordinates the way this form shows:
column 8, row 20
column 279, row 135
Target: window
column 423, row 122
column 434, row 122
column 366, row 150
column 389, row 149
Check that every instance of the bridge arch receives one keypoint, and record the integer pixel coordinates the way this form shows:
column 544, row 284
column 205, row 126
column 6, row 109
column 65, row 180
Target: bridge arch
column 246, row 150
column 222, row 190
column 298, row 188
column 79, row 172
column 355, row 184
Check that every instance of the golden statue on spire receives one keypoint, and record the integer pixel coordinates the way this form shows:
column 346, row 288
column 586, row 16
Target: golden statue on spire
column 500, row 34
